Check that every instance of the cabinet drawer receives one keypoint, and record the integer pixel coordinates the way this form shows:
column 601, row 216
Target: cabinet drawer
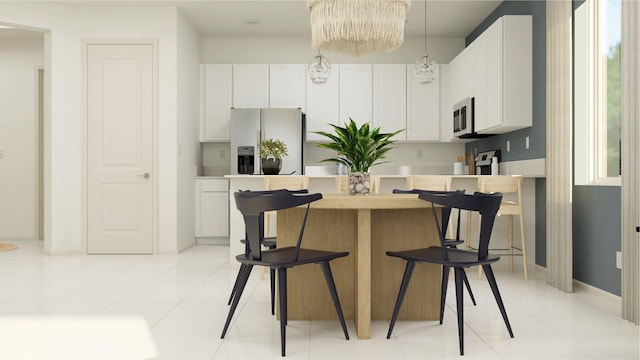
column 214, row 185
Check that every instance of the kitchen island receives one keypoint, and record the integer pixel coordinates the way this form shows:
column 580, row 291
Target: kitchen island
column 367, row 280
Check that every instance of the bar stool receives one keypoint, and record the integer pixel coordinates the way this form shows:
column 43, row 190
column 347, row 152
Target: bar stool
column 429, row 182
column 505, row 185
column 342, row 184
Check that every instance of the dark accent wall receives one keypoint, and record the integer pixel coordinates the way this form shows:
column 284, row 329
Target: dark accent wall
column 597, row 236
column 537, row 132
column 597, row 233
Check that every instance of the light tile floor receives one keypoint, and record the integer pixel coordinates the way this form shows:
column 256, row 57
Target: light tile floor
column 183, row 298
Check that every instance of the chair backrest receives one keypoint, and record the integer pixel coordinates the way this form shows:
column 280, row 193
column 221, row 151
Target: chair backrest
column 342, row 184
column 504, row 184
column 253, row 204
column 446, row 210
column 289, row 182
column 429, row 182
column 486, row 205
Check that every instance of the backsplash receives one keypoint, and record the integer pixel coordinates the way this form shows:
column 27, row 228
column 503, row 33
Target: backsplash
column 422, row 158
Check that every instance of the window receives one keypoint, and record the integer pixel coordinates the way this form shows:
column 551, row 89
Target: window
column 597, row 90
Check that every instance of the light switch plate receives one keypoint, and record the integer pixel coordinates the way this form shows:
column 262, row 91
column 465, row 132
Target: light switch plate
column 508, row 145
column 618, row 260
column 526, row 142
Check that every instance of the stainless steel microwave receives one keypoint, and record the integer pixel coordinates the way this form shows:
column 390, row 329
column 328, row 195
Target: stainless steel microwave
column 463, row 118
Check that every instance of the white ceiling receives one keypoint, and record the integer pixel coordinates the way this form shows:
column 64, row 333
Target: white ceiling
column 290, row 18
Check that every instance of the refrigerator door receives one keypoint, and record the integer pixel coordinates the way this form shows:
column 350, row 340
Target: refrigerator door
column 245, row 131
column 285, row 125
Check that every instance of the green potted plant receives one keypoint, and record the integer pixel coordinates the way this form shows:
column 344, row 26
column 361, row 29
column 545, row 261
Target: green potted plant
column 271, row 154
column 358, row 149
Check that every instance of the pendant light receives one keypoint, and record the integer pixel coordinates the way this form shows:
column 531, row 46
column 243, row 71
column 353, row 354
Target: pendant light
column 426, row 68
column 319, row 69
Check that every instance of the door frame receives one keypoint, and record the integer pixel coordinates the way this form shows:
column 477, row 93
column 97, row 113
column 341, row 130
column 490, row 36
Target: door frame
column 85, row 134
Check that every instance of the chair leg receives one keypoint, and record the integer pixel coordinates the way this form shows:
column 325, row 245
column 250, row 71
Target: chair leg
column 235, row 284
column 466, row 283
column 524, row 247
column 408, row 271
column 460, row 307
column 496, row 293
column 236, row 297
column 282, row 294
column 328, row 276
column 443, row 290
column 510, row 234
column 272, row 278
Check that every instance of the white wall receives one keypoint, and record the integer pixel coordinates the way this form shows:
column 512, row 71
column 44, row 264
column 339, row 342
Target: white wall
column 189, row 155
column 19, row 58
column 69, row 26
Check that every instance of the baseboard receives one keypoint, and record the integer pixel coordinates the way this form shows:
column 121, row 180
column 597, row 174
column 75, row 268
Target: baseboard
column 212, row 241
column 614, row 301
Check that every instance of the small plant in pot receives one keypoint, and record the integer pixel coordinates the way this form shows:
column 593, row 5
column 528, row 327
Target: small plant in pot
column 358, row 149
column 271, row 154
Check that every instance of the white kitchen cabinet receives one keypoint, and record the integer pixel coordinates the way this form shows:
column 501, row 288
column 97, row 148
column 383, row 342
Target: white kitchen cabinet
column 215, row 102
column 446, row 108
column 287, row 86
column 251, row 86
column 506, row 104
column 323, row 105
column 212, row 207
column 390, row 98
column 423, row 107
column 355, row 93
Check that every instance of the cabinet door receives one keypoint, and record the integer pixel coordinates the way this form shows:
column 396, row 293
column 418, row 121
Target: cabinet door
column 446, row 108
column 251, row 86
column 467, row 69
column 423, row 104
column 216, row 102
column 214, row 214
column 390, row 98
column 494, row 70
column 323, row 105
column 287, row 86
column 480, row 82
column 355, row 93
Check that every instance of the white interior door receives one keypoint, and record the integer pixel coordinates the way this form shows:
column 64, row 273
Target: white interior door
column 120, row 149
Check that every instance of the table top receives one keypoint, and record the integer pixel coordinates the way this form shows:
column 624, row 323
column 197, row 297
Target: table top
column 371, row 201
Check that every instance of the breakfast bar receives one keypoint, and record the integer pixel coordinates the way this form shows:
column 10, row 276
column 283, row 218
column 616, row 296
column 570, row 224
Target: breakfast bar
column 367, row 280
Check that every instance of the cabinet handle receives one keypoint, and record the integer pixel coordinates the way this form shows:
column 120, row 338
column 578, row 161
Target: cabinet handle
column 145, row 175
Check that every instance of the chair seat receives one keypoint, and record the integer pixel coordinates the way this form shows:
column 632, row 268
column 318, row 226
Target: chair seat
column 433, row 254
column 285, row 257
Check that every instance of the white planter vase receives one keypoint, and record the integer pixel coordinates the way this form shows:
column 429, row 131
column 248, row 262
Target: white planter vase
column 359, row 183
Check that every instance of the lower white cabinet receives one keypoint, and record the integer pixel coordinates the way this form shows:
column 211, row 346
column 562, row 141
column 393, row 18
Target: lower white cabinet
column 212, row 208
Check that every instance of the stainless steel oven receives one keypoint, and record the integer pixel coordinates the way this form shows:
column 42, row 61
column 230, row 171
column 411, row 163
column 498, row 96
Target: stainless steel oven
column 463, row 118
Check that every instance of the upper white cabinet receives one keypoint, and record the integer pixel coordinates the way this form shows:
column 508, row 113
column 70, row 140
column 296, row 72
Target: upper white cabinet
column 287, row 86
column 215, row 90
column 423, row 107
column 355, row 93
column 390, row 98
column 323, row 105
column 251, row 86
column 446, row 109
column 504, row 100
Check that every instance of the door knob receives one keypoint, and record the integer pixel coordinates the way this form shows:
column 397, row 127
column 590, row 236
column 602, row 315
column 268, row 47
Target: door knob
column 145, row 175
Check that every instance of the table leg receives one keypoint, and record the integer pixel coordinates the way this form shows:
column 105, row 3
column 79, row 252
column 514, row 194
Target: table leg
column 363, row 273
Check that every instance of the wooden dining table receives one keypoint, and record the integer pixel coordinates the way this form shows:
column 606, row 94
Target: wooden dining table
column 367, row 280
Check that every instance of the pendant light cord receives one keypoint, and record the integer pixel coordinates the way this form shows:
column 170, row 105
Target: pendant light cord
column 425, row 29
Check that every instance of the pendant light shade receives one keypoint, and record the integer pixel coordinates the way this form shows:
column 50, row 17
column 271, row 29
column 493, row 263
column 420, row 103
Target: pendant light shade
column 357, row 27
column 426, row 68
column 319, row 69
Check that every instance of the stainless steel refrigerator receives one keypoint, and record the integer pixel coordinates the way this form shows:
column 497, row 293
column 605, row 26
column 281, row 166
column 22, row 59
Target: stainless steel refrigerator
column 250, row 126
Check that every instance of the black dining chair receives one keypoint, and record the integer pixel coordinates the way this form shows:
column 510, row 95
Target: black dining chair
column 487, row 206
column 446, row 216
column 269, row 242
column 252, row 205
